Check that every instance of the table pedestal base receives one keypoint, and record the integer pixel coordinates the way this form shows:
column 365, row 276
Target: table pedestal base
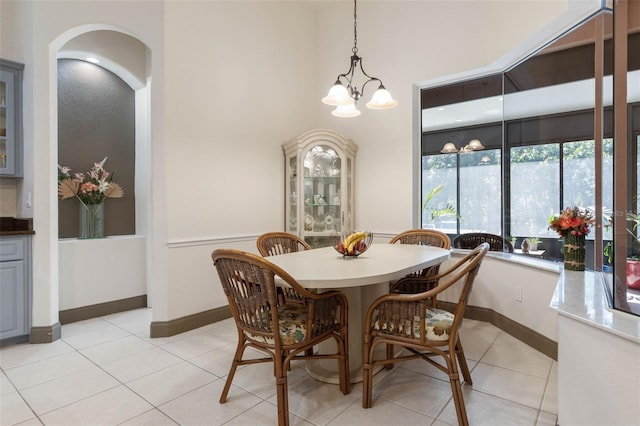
column 360, row 298
column 315, row 370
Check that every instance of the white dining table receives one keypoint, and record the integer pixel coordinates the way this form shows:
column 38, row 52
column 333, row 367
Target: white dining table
column 362, row 279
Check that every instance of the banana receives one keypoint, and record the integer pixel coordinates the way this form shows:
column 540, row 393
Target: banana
column 350, row 238
column 353, row 239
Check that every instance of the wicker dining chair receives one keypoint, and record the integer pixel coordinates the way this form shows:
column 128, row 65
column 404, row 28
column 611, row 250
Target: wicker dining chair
column 473, row 239
column 274, row 243
column 282, row 328
column 409, row 321
column 418, row 282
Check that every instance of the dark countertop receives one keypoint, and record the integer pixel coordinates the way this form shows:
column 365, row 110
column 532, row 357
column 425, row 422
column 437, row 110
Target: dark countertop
column 10, row 226
column 10, row 233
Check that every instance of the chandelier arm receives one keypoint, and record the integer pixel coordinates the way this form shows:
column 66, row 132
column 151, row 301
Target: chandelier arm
column 369, row 81
column 370, row 78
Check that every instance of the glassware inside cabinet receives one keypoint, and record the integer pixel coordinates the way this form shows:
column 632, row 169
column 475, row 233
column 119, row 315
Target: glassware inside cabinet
column 322, row 188
column 348, row 224
column 292, row 185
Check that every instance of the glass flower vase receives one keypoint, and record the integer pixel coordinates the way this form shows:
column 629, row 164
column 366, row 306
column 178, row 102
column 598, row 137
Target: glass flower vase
column 91, row 221
column 574, row 252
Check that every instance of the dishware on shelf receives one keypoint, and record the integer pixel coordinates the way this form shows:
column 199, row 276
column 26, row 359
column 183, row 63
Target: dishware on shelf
column 353, row 244
column 308, row 222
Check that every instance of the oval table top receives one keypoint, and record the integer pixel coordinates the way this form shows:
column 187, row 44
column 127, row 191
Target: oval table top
column 326, row 268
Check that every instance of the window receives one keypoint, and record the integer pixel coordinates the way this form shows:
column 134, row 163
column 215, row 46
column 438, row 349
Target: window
column 534, row 188
column 541, row 149
column 473, row 205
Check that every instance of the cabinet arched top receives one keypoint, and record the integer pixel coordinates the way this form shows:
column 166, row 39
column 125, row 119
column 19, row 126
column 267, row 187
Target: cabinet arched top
column 318, row 136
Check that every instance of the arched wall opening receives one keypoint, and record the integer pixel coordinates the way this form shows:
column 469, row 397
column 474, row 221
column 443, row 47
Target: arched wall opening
column 118, row 265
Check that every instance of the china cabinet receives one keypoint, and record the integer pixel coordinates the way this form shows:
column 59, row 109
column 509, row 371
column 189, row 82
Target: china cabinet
column 319, row 170
column 10, row 118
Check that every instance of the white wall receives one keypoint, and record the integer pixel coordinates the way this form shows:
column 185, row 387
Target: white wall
column 598, row 376
column 231, row 81
column 101, row 270
column 243, row 77
column 499, row 285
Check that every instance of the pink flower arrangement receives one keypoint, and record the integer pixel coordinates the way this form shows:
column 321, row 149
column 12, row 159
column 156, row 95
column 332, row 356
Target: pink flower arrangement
column 572, row 220
column 98, row 186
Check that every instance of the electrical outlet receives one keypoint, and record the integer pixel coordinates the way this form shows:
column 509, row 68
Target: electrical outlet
column 519, row 295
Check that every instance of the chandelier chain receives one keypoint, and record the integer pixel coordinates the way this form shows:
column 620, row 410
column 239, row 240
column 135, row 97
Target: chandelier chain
column 355, row 27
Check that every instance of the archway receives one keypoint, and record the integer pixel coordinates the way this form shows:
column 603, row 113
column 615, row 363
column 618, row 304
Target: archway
column 123, row 261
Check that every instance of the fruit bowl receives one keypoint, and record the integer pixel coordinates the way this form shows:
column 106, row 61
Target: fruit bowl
column 353, row 244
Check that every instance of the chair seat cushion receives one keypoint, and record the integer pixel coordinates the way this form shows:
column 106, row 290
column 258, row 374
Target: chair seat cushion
column 438, row 324
column 293, row 326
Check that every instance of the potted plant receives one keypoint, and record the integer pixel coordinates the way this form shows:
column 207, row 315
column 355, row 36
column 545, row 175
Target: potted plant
column 434, row 212
column 573, row 224
column 633, row 261
column 533, row 243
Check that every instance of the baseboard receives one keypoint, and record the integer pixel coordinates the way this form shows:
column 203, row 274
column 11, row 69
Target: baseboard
column 524, row 334
column 190, row 322
column 13, row 340
column 45, row 334
column 101, row 309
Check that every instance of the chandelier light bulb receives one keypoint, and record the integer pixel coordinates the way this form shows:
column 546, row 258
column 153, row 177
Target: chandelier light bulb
column 475, row 145
column 338, row 95
column 381, row 99
column 346, row 111
column 449, row 148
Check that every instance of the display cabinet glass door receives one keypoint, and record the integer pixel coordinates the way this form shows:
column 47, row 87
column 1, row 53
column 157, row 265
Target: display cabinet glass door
column 6, row 94
column 10, row 118
column 322, row 193
column 292, row 190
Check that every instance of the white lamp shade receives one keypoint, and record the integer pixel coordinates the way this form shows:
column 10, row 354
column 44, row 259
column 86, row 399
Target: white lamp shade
column 449, row 148
column 338, row 95
column 475, row 145
column 345, row 111
column 381, row 99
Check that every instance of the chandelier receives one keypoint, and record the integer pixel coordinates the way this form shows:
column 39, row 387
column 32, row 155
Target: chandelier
column 473, row 145
column 345, row 98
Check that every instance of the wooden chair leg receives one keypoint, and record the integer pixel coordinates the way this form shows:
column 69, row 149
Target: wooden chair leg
column 458, row 400
column 367, row 374
column 390, row 354
column 367, row 386
column 343, row 366
column 227, row 384
column 462, row 362
column 282, row 398
column 456, row 389
column 237, row 357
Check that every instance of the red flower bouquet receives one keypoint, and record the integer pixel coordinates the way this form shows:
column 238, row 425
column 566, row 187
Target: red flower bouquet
column 572, row 221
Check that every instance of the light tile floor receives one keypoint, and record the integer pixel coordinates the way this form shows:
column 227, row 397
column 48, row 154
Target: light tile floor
column 108, row 371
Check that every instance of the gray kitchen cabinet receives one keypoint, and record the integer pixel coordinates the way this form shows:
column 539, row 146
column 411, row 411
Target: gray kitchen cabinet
column 11, row 148
column 15, row 288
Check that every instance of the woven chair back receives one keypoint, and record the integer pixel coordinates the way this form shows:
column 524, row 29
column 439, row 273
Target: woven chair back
column 426, row 237
column 274, row 243
column 473, row 239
